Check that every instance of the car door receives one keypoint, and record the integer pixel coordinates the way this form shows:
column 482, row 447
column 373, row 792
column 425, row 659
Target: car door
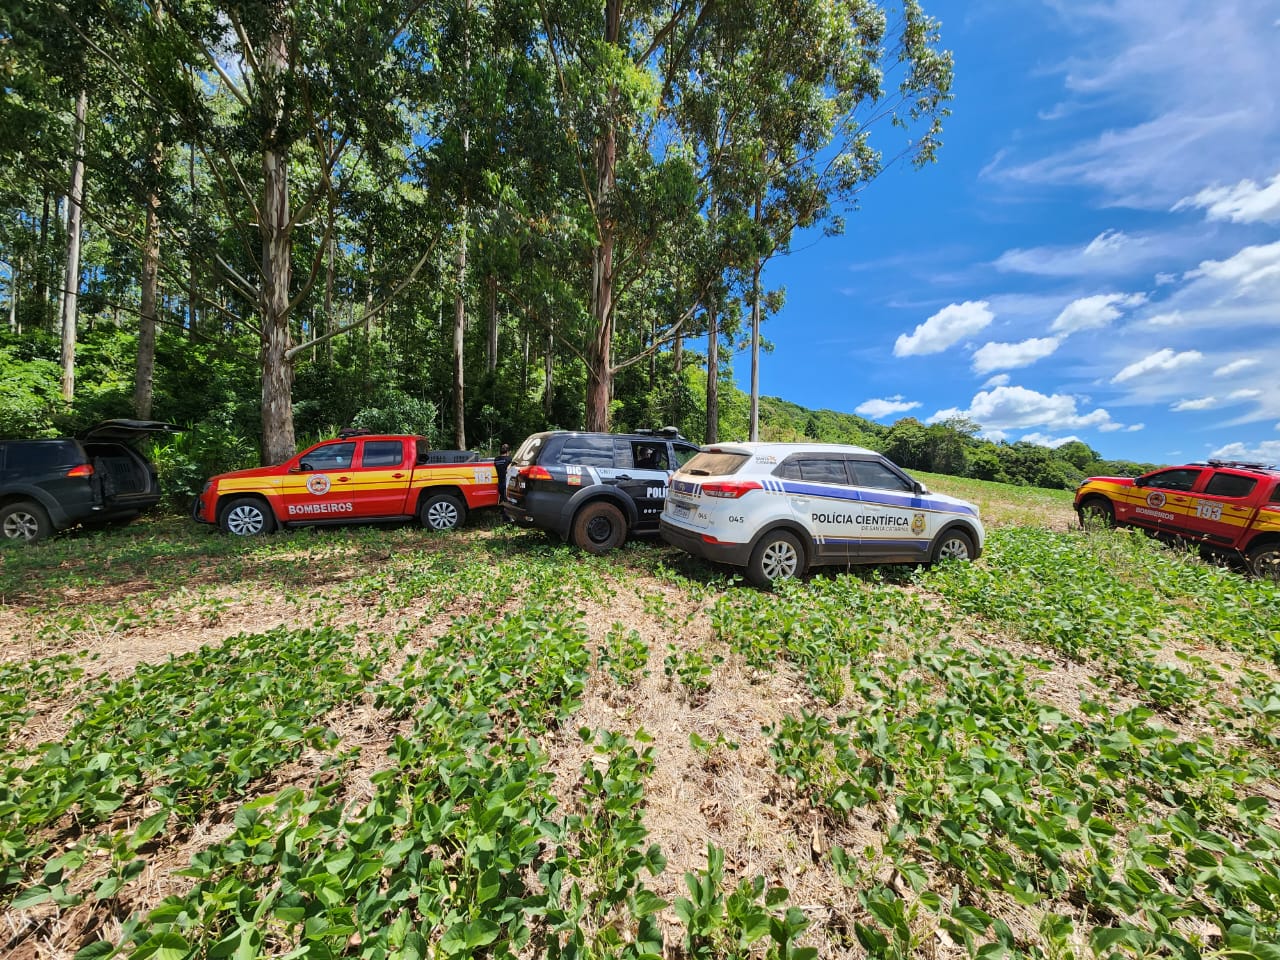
column 890, row 523
column 646, row 479
column 319, row 485
column 822, row 498
column 1163, row 500
column 1223, row 508
column 380, row 479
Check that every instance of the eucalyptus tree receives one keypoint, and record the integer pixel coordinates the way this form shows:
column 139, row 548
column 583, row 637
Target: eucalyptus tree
column 284, row 99
column 635, row 186
column 810, row 84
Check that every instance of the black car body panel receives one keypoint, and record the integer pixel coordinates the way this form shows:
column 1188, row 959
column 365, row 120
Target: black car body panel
column 96, row 478
column 553, row 475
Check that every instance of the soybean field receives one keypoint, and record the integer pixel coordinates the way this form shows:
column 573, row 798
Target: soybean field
column 389, row 744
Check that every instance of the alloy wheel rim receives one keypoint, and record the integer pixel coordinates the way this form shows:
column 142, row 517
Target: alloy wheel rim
column 954, row 549
column 442, row 516
column 20, row 526
column 244, row 521
column 780, row 560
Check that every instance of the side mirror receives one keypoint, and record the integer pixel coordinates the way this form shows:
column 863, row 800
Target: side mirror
column 1140, row 482
column 918, row 488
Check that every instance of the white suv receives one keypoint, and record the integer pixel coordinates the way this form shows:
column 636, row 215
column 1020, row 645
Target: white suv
column 778, row 509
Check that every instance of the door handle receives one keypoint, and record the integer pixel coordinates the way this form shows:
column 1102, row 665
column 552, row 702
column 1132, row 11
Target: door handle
column 799, row 499
column 622, row 476
column 397, row 476
column 343, row 479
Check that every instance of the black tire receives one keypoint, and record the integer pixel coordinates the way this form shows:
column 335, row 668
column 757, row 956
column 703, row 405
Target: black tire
column 778, row 556
column 1096, row 511
column 24, row 521
column 442, row 511
column 247, row 517
column 1264, row 561
column 599, row 527
column 953, row 545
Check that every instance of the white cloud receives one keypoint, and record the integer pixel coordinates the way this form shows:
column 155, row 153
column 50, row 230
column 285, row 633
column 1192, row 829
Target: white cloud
column 875, row 409
column 1010, row 356
column 1164, row 279
column 1109, row 253
column 1180, row 91
column 1090, row 313
column 1235, row 366
column 1172, row 319
column 999, row 380
column 1250, row 267
column 1246, row 394
column 1133, row 428
column 1014, row 408
column 1201, row 403
column 945, row 328
column 1163, row 360
column 1246, row 202
column 1040, row 440
column 1268, row 451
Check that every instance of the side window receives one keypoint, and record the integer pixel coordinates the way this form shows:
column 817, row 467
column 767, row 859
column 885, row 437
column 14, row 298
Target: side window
column 589, row 451
column 382, row 453
column 1275, row 494
column 332, row 456
column 872, row 473
column 1230, row 485
column 1174, row 479
column 824, row 470
column 683, row 454
column 789, row 469
column 649, row 455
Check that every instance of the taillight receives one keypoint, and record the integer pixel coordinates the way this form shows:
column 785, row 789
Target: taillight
column 535, row 473
column 730, row 489
column 84, row 470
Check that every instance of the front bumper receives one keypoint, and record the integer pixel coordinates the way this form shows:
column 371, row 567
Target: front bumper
column 734, row 554
column 197, row 511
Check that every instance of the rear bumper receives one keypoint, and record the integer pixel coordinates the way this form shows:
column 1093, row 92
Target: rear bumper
column 734, row 554
column 535, row 509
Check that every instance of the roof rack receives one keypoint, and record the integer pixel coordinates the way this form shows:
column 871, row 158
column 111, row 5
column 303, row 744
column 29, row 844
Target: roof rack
column 347, row 434
column 1241, row 464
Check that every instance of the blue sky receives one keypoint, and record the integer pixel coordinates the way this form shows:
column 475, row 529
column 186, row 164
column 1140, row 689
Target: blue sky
column 1094, row 256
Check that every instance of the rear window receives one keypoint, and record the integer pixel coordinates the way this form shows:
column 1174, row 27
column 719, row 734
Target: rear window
column 382, row 453
column 41, row 456
column 715, row 464
column 1230, row 485
column 528, row 452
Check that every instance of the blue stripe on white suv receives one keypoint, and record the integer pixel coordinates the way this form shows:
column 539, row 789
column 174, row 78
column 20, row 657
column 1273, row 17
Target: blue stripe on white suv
column 777, row 509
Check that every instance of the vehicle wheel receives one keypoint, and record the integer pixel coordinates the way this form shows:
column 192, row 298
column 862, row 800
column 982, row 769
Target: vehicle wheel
column 247, row 517
column 443, row 511
column 953, row 545
column 599, row 527
column 778, row 556
column 1264, row 562
column 1096, row 512
column 24, row 520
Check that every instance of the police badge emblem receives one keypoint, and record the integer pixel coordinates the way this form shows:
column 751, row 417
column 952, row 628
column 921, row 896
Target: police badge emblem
column 917, row 524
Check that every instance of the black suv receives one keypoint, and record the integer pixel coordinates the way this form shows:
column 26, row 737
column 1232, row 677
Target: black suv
column 96, row 478
column 592, row 489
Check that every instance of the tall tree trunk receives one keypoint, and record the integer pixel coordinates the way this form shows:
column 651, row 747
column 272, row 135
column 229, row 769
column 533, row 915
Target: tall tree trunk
column 712, row 433
column 277, row 369
column 459, row 337
column 191, row 251
column 755, row 333
column 460, row 293
column 145, row 376
column 42, row 266
column 15, row 284
column 548, row 371
column 491, row 282
column 600, row 349
column 326, row 350
column 71, row 283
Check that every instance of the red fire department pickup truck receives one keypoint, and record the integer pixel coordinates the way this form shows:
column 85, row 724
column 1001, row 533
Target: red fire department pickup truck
column 351, row 479
column 1226, row 506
